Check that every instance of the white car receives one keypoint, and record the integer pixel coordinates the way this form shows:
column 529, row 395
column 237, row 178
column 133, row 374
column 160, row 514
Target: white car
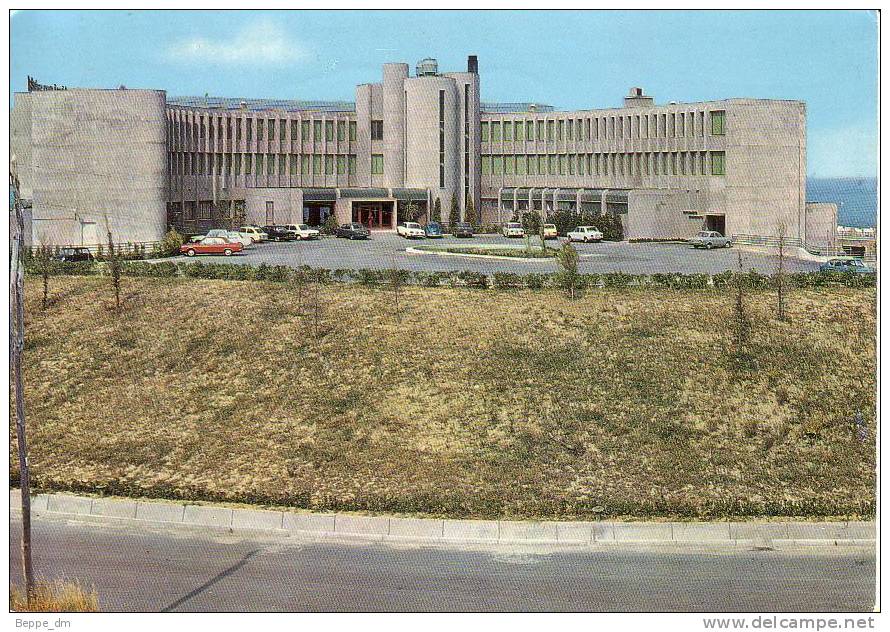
column 302, row 231
column 254, row 232
column 513, row 229
column 585, row 234
column 410, row 230
column 231, row 235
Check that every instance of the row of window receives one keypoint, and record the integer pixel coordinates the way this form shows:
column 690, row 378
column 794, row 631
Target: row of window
column 666, row 125
column 193, row 163
column 678, row 163
column 215, row 129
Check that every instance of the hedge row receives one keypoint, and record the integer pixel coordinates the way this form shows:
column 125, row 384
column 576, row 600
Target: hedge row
column 498, row 280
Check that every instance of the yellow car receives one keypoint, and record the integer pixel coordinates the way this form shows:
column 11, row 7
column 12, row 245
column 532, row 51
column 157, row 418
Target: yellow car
column 550, row 231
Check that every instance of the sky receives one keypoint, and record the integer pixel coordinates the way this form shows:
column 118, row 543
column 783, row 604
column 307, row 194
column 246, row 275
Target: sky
column 569, row 59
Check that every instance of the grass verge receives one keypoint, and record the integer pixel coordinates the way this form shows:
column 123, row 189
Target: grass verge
column 625, row 403
column 535, row 252
column 58, row 596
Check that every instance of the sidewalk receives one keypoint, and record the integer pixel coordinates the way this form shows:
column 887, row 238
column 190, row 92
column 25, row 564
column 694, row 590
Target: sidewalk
column 385, row 528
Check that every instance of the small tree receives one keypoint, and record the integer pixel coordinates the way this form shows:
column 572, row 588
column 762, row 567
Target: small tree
column 437, row 211
column 114, row 265
column 396, row 281
column 330, row 225
column 532, row 225
column 171, row 242
column 412, row 212
column 780, row 272
column 471, row 213
column 453, row 212
column 567, row 256
column 44, row 266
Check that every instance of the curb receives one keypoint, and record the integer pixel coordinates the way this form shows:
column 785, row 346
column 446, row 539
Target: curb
column 386, row 528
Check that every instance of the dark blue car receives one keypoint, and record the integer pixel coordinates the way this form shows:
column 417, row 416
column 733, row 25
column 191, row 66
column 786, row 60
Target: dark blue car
column 433, row 229
column 846, row 265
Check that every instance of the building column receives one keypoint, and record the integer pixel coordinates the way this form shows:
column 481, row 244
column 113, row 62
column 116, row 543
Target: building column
column 500, row 190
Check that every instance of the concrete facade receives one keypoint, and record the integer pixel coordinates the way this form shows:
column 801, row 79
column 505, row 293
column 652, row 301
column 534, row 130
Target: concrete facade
column 146, row 161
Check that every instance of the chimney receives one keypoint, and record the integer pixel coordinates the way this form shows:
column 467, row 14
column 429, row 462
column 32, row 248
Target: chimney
column 473, row 64
column 637, row 99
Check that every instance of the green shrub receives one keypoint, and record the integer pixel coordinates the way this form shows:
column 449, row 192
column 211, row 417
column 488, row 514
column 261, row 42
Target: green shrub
column 617, row 279
column 169, row 245
column 506, row 280
column 329, row 226
column 466, row 278
column 535, row 281
column 723, row 279
column 368, row 277
column 341, row 274
column 430, row 279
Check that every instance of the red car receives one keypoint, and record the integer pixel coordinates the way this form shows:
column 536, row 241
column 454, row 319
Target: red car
column 211, row 246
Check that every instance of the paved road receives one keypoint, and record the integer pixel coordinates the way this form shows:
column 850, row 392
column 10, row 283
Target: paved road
column 387, row 250
column 144, row 568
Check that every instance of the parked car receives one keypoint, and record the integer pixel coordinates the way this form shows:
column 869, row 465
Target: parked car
column 231, row 235
column 302, row 231
column 710, row 239
column 410, row 230
column 513, row 229
column 353, row 230
column 254, row 232
column 585, row 234
column 462, row 229
column 433, row 230
column 211, row 246
column 550, row 231
column 74, row 254
column 277, row 232
column 852, row 265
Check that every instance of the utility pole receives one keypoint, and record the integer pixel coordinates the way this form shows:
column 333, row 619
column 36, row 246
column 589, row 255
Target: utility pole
column 16, row 347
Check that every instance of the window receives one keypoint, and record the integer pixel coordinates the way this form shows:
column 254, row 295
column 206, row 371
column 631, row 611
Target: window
column 562, row 164
column 718, row 123
column 304, row 167
column 271, row 129
column 258, row 164
column 270, row 164
column 495, row 131
column 539, row 130
column 329, row 165
column 486, row 165
column 316, row 131
column 237, row 171
column 341, row 131
column 542, row 164
column 281, row 129
column 304, row 131
column 509, row 165
column 350, row 164
column 550, row 125
column 316, row 165
column 498, row 165
column 281, row 164
column 376, row 164
column 560, row 130
column 570, row 131
column 293, row 164
column 508, row 131
column 483, row 127
column 572, row 159
column 329, row 131
column 204, row 210
column 532, row 165
column 293, row 130
column 259, row 129
column 341, row 165
column 248, row 159
column 352, row 127
column 376, row 130
column 551, row 164
column 530, row 130
column 521, row 161
column 718, row 163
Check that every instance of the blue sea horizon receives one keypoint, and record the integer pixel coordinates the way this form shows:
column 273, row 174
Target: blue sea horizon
column 857, row 198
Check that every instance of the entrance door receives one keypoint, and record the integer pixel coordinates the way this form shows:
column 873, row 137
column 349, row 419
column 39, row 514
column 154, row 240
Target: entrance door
column 374, row 215
column 717, row 223
column 89, row 234
column 270, row 213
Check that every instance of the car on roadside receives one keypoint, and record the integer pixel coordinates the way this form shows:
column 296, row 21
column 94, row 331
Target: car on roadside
column 303, row 232
column 211, row 246
column 278, row 232
column 410, row 230
column 586, row 234
column 847, row 265
column 433, row 230
column 231, row 235
column 73, row 254
column 710, row 239
column 462, row 229
column 254, row 232
column 352, row 230
column 513, row 229
column 550, row 231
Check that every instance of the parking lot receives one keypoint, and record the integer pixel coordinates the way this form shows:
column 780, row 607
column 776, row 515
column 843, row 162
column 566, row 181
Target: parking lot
column 387, row 250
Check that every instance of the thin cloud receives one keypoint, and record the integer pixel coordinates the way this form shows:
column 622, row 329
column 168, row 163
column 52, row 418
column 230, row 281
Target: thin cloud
column 261, row 41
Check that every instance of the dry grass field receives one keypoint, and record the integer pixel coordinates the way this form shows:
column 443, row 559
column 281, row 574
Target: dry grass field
column 56, row 596
column 624, row 403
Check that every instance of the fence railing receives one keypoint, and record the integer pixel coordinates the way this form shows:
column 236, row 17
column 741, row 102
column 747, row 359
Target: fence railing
column 125, row 248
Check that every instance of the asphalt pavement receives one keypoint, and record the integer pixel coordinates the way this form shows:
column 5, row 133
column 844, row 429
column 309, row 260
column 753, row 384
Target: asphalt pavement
column 158, row 568
column 387, row 250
